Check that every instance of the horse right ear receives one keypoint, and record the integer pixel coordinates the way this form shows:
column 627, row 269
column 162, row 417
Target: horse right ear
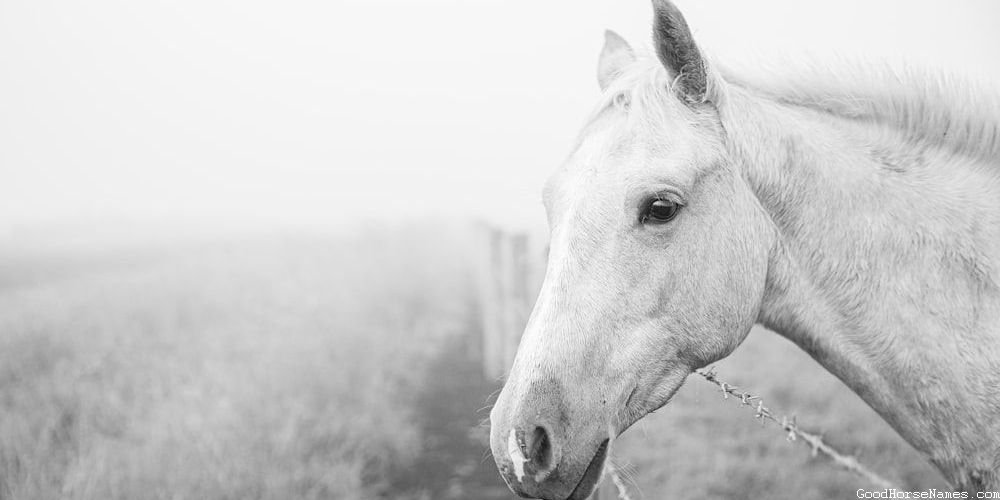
column 616, row 55
column 679, row 54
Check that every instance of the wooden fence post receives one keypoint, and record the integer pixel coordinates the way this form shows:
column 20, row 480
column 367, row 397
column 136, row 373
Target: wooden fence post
column 489, row 300
column 519, row 300
column 508, row 278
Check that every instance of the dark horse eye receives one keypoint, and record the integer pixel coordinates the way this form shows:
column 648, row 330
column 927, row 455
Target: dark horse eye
column 660, row 212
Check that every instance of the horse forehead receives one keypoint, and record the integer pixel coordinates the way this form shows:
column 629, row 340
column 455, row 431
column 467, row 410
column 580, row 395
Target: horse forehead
column 602, row 162
column 604, row 153
column 581, row 177
column 616, row 150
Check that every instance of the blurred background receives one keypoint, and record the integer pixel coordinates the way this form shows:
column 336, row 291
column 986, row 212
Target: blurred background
column 255, row 249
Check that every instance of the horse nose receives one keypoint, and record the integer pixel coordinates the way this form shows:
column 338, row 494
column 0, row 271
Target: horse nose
column 527, row 458
column 535, row 449
column 527, row 438
column 539, row 447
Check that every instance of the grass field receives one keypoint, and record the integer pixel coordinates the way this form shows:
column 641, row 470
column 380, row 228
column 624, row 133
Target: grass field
column 277, row 367
column 296, row 366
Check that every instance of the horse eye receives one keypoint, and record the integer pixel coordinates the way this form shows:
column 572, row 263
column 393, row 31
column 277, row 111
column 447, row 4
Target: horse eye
column 660, row 212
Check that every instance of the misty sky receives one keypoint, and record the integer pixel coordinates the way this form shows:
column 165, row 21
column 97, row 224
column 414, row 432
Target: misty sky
column 330, row 113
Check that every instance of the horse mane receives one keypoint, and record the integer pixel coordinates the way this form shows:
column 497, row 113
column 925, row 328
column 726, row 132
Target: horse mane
column 927, row 107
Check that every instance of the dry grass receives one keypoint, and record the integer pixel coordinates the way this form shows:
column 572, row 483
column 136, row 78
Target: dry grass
column 266, row 368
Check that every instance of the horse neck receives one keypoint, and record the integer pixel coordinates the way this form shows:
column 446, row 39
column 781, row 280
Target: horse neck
column 884, row 268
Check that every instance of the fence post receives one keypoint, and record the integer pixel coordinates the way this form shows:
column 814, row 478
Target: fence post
column 489, row 300
column 518, row 301
column 507, row 270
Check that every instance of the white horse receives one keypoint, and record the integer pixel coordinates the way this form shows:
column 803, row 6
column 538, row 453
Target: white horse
column 857, row 214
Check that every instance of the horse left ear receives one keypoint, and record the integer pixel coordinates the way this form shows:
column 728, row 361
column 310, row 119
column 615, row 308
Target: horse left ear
column 615, row 56
column 679, row 54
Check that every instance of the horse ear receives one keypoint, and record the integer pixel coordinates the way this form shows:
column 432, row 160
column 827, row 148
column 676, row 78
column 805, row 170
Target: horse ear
column 679, row 54
column 615, row 55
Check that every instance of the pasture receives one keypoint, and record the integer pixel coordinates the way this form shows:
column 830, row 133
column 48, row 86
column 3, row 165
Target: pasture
column 340, row 366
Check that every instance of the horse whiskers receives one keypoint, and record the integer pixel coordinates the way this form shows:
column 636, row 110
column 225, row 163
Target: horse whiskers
column 612, row 470
column 494, row 393
column 487, row 453
column 626, row 469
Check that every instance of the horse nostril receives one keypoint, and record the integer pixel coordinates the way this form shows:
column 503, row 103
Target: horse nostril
column 540, row 449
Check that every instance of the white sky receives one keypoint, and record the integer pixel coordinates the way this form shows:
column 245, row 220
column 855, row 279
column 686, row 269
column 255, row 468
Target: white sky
column 326, row 113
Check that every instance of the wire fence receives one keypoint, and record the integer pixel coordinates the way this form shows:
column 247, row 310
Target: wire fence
column 787, row 425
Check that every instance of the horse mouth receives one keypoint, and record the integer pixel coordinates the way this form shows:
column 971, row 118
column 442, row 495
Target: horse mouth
column 592, row 475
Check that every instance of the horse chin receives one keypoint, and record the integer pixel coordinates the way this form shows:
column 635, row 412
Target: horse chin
column 591, row 476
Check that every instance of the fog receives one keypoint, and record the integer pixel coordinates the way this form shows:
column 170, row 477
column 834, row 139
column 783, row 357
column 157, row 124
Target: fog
column 324, row 114
column 236, row 258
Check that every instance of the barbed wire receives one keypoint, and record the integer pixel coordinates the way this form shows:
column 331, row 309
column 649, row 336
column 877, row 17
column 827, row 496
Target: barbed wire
column 788, row 425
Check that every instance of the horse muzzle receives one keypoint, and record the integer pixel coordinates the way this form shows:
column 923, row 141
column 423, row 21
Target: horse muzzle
column 539, row 451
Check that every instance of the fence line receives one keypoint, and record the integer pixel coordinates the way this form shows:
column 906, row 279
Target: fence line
column 788, row 425
column 794, row 433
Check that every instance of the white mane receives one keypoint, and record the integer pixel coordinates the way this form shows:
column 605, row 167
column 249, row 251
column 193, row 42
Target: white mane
column 927, row 107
